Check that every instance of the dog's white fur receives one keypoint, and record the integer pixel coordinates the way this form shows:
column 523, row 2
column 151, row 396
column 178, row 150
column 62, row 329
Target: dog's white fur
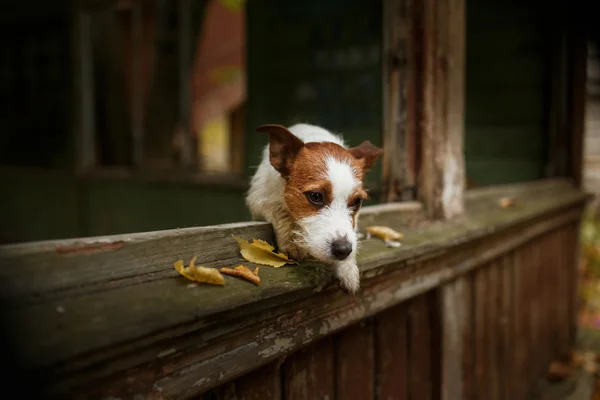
column 312, row 235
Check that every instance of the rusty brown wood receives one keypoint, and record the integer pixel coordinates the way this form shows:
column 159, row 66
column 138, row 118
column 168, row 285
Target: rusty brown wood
column 562, row 292
column 519, row 301
column 355, row 362
column 391, row 353
column 420, row 367
column 505, row 326
column 262, row 384
column 493, row 337
column 480, row 333
column 573, row 248
column 456, row 339
column 309, row 373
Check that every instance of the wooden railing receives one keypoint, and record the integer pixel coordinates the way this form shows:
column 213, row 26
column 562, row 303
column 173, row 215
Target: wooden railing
column 473, row 307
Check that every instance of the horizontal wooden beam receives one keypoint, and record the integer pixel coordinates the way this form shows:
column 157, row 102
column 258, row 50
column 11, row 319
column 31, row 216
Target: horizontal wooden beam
column 93, row 314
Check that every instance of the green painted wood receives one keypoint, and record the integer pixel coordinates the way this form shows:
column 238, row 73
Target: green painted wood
column 38, row 205
column 304, row 68
column 506, row 103
column 122, row 207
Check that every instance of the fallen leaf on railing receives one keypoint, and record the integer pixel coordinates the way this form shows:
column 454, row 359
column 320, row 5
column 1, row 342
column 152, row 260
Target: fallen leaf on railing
column 558, row 371
column 199, row 273
column 508, row 202
column 243, row 272
column 261, row 252
column 389, row 236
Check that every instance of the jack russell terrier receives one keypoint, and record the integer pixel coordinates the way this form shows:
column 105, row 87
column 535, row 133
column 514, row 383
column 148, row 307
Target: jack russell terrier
column 309, row 185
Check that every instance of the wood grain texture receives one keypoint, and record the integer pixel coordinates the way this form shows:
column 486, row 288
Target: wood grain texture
column 420, row 356
column 456, row 336
column 309, row 373
column 442, row 124
column 86, row 341
column 261, row 384
column 391, row 353
column 355, row 363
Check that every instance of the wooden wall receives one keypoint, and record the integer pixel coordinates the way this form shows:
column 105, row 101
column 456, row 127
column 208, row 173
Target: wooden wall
column 511, row 316
column 507, row 80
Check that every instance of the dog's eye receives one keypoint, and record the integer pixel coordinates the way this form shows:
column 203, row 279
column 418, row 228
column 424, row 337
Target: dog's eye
column 357, row 203
column 315, row 197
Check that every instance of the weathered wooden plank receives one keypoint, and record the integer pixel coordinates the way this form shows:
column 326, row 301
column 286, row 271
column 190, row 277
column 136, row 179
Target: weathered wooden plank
column 397, row 169
column 481, row 333
column 355, row 362
column 420, row 368
column 519, row 321
column 505, row 326
column 391, row 353
column 573, row 249
column 492, row 317
column 262, row 384
column 207, row 338
column 456, row 335
column 309, row 373
column 562, row 292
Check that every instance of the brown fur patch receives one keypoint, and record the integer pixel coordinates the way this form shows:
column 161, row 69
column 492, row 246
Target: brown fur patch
column 309, row 173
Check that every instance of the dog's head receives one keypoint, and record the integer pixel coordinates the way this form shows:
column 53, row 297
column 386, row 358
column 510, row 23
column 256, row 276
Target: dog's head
column 324, row 189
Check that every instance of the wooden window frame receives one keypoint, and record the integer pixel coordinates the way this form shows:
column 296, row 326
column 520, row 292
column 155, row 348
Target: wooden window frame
column 189, row 169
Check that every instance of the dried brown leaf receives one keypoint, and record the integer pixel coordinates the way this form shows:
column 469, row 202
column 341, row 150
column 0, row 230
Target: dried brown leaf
column 261, row 252
column 558, row 371
column 199, row 273
column 508, row 202
column 243, row 272
column 384, row 232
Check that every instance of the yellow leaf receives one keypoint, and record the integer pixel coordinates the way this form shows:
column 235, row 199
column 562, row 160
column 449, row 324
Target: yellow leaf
column 199, row 273
column 261, row 252
column 508, row 202
column 384, row 232
column 243, row 272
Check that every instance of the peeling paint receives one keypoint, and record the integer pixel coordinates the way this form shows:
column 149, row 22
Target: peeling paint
column 335, row 322
column 201, row 381
column 278, row 346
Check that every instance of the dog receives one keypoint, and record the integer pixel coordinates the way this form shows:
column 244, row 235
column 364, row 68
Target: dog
column 309, row 185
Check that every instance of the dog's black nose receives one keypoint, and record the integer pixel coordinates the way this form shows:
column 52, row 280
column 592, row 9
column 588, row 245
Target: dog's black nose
column 341, row 248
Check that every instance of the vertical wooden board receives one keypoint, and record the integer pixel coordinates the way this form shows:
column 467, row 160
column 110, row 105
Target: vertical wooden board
column 309, row 373
column 491, row 277
column 262, row 384
column 505, row 344
column 391, row 353
column 543, row 305
column 527, row 304
column 573, row 259
column 457, row 339
column 555, row 266
column 519, row 331
column 562, row 293
column 420, row 379
column 481, row 333
column 534, row 353
column 355, row 367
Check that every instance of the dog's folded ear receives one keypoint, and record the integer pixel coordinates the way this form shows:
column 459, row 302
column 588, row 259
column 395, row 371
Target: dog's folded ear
column 283, row 147
column 366, row 152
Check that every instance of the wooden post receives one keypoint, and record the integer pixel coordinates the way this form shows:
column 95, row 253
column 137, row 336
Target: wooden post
column 399, row 155
column 137, row 100
column 577, row 97
column 185, row 68
column 86, row 136
column 441, row 111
